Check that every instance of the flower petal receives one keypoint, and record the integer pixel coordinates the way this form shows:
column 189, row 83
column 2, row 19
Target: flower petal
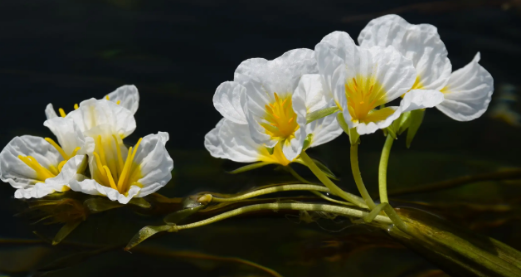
column 468, row 92
column 212, row 141
column 420, row 99
column 127, row 96
column 68, row 134
column 378, row 119
column 154, row 162
column 229, row 99
column 419, row 43
column 16, row 172
column 50, row 112
column 92, row 113
column 237, row 143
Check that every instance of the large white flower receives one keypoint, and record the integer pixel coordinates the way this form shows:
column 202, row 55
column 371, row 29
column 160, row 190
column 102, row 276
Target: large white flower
column 233, row 141
column 127, row 96
column 467, row 91
column 261, row 97
column 120, row 173
column 37, row 168
column 361, row 79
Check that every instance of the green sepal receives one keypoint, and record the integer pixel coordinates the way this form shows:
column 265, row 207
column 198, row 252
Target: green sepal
column 307, row 142
column 65, row 231
column 140, row 202
column 326, row 170
column 147, row 232
column 342, row 122
column 416, row 120
column 177, row 216
column 270, row 150
column 248, row 167
column 404, row 121
column 354, row 137
column 321, row 114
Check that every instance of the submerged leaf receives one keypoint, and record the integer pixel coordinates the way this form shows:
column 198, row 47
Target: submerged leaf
column 147, row 232
column 248, row 167
column 140, row 202
column 65, row 231
column 416, row 120
column 100, row 204
column 176, row 217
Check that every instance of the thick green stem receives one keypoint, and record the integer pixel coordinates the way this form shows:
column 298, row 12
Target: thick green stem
column 382, row 171
column 348, row 212
column 328, row 183
column 358, row 177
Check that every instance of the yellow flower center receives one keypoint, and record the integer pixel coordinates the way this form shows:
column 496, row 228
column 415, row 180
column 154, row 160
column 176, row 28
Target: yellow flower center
column 111, row 169
column 281, row 119
column 43, row 173
column 277, row 157
column 363, row 96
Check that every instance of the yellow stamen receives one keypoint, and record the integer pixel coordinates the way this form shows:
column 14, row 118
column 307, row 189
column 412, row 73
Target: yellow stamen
column 62, row 112
column 118, row 150
column 42, row 173
column 118, row 102
column 61, row 164
column 101, row 151
column 54, row 170
column 53, row 143
column 363, row 96
column 280, row 118
column 76, row 106
column 111, row 180
column 126, row 168
column 107, row 97
column 99, row 164
column 75, row 151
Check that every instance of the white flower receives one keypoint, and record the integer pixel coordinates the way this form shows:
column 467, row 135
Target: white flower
column 233, row 141
column 419, row 43
column 37, row 168
column 120, row 173
column 261, row 97
column 361, row 79
column 467, row 91
column 127, row 96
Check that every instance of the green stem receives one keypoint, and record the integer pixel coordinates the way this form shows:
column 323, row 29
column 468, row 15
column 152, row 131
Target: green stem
column 358, row 177
column 301, row 179
column 263, row 192
column 348, row 212
column 328, row 183
column 382, row 172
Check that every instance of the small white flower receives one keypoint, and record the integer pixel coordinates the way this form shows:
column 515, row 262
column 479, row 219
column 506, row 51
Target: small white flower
column 261, row 97
column 233, row 141
column 467, row 91
column 127, row 96
column 120, row 173
column 37, row 168
column 360, row 79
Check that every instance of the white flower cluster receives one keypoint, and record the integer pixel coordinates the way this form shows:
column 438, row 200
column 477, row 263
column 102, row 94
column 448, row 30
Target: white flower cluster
column 266, row 105
column 90, row 156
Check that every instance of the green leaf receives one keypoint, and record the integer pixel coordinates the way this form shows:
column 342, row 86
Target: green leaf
column 326, row 170
column 140, row 202
column 65, row 231
column 101, row 204
column 177, row 216
column 416, row 120
column 147, row 232
column 248, row 167
column 321, row 113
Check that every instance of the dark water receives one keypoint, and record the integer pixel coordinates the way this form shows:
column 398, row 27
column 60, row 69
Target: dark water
column 177, row 53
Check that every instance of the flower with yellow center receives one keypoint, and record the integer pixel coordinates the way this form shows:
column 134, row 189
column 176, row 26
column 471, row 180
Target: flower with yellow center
column 359, row 80
column 120, row 173
column 36, row 167
column 126, row 96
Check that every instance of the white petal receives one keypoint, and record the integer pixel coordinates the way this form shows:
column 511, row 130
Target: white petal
column 16, row 172
column 419, row 43
column 311, row 91
column 371, row 127
column 212, row 142
column 468, row 92
column 420, row 99
column 341, row 45
column 293, row 147
column 68, row 134
column 68, row 173
column 154, row 162
column 92, row 113
column 50, row 112
column 237, row 143
column 229, row 99
column 128, row 97
column 323, row 130
column 87, row 186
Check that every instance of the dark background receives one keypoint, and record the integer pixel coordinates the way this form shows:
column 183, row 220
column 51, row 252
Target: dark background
column 178, row 52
